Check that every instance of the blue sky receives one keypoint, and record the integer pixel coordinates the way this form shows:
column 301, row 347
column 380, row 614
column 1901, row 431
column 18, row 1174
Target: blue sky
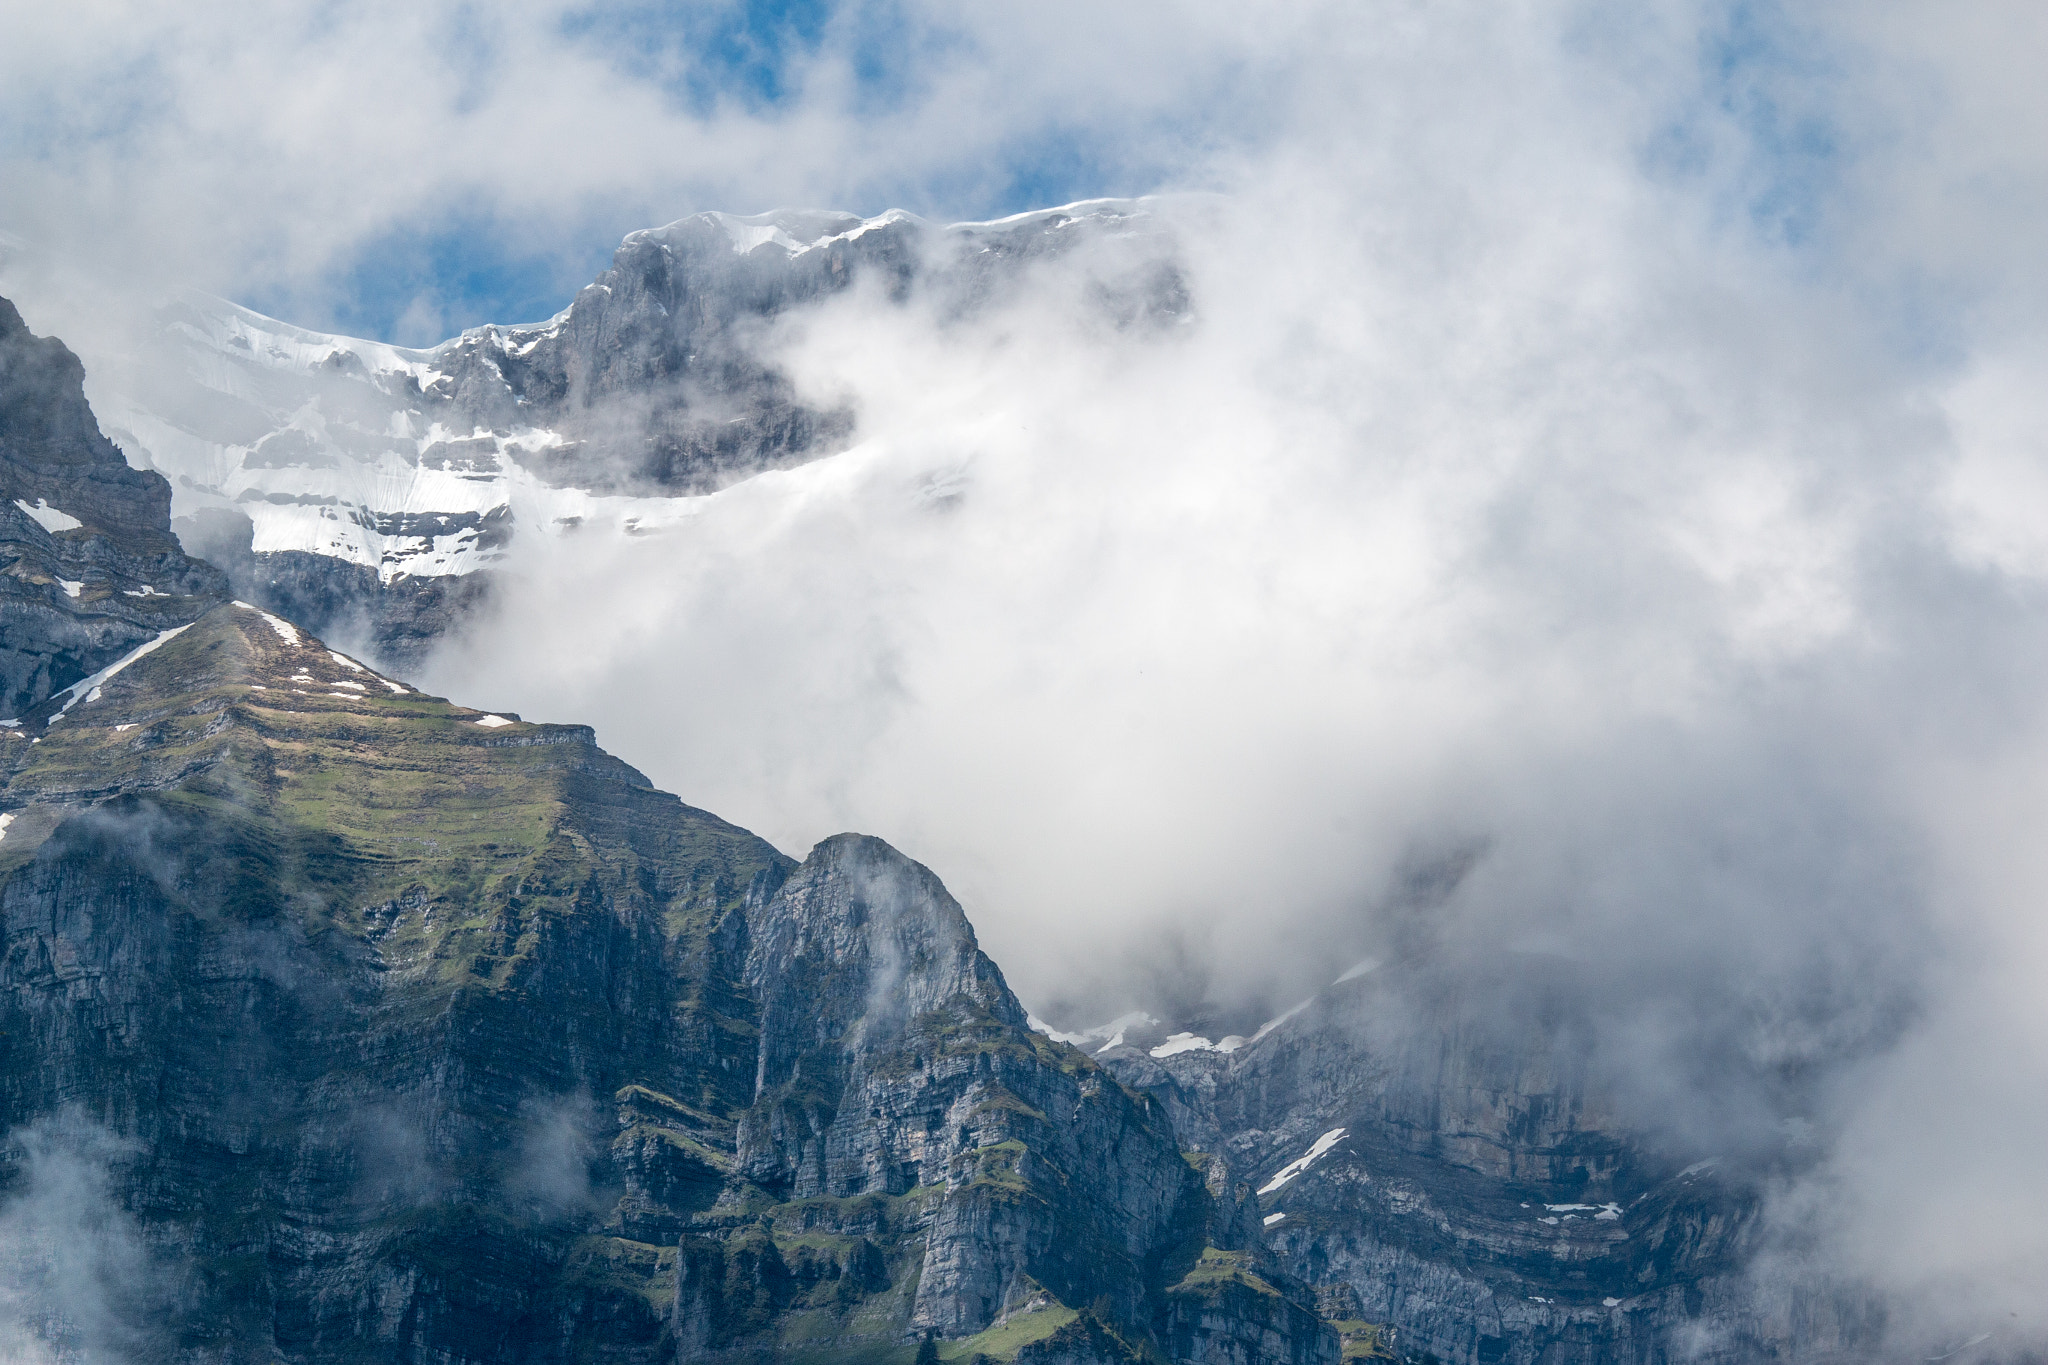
column 402, row 170
column 456, row 261
column 461, row 266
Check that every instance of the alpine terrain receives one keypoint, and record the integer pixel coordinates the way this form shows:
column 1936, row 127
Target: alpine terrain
column 368, row 489
column 340, row 1022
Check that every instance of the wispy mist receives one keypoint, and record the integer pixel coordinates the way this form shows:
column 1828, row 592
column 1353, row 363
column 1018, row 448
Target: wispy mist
column 1593, row 511
column 1582, row 451
column 78, row 1281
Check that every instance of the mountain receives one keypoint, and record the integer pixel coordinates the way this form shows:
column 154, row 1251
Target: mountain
column 339, row 1022
column 368, row 489
column 1438, row 1146
column 92, row 569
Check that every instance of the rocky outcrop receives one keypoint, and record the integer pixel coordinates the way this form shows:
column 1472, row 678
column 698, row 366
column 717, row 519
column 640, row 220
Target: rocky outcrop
column 1442, row 1159
column 660, row 376
column 399, row 620
column 399, row 1016
column 399, row 1030
column 88, row 566
column 366, row 490
column 1226, row 1313
column 895, row 1067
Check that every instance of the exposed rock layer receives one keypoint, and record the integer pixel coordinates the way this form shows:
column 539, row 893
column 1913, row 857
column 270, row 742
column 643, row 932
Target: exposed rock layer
column 413, row 1032
column 1457, row 1170
column 88, row 566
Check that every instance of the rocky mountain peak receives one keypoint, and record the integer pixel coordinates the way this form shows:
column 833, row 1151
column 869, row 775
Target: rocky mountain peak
column 870, row 940
column 550, row 1063
column 89, row 568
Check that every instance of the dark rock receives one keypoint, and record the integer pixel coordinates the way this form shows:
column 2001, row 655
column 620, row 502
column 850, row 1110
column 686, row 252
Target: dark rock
column 404, row 1037
column 1484, row 1202
column 398, row 622
column 104, row 574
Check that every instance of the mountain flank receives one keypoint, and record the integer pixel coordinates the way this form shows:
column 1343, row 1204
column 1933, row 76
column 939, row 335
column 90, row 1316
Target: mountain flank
column 88, row 565
column 419, row 1032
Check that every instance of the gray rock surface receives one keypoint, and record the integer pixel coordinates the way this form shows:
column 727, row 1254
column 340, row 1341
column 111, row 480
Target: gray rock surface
column 353, row 485
column 89, row 568
column 349, row 1024
column 1458, row 1170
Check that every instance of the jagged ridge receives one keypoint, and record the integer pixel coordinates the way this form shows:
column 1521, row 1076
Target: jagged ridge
column 88, row 565
column 438, row 1034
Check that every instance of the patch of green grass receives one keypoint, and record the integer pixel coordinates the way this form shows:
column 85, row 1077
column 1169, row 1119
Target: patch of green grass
column 1001, row 1101
column 997, row 1166
column 639, row 1268
column 1006, row 1339
column 1362, row 1340
column 1218, row 1268
column 682, row 1142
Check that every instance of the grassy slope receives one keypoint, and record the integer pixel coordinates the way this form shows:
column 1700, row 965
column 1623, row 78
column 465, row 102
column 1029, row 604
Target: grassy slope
column 455, row 861
column 374, row 798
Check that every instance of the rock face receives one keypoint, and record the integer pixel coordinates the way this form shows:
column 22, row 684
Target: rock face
column 339, row 1022
column 373, row 1027
column 354, row 486
column 1455, row 1176
column 88, row 566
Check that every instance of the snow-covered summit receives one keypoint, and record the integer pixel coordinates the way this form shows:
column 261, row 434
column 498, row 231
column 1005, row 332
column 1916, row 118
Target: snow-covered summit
column 791, row 230
column 379, row 468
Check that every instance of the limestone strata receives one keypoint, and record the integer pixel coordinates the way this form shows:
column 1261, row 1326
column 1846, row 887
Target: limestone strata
column 404, row 1035
column 1477, row 1199
column 88, row 566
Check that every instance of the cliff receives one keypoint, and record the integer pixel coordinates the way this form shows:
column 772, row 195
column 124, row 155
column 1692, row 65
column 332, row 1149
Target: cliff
column 399, row 1030
column 88, row 565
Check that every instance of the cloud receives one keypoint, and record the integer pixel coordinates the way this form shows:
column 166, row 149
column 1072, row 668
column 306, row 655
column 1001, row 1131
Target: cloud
column 286, row 154
column 77, row 1278
column 551, row 1172
column 1604, row 441
column 1585, row 450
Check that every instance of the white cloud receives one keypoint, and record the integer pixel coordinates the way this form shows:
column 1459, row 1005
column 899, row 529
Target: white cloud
column 1604, row 440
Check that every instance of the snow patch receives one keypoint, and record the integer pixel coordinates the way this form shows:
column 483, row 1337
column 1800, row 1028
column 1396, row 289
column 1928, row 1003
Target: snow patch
column 1102, row 1037
column 1272, row 1218
column 129, row 726
column 346, row 662
column 492, row 722
column 48, row 517
column 144, row 591
column 1080, row 208
column 1279, row 1019
column 78, row 691
column 286, row 631
column 794, row 231
column 1189, row 1042
column 72, row 586
column 5, row 820
column 1610, row 1303
column 1301, row 1163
